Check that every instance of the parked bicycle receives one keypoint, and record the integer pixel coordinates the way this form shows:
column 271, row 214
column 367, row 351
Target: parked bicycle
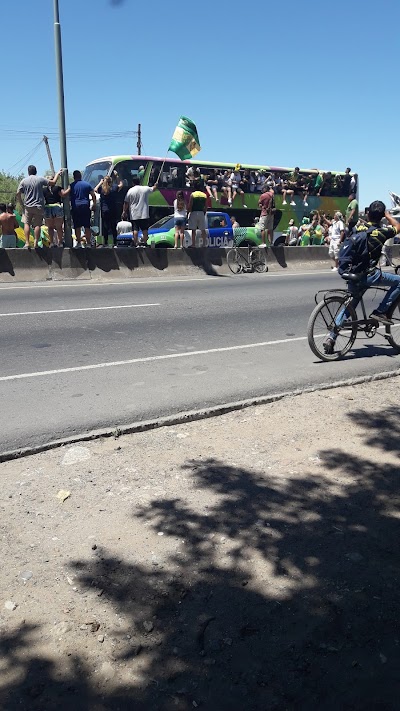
column 247, row 259
column 336, row 307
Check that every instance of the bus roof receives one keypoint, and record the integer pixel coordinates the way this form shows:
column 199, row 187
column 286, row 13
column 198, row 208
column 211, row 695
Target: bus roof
column 212, row 164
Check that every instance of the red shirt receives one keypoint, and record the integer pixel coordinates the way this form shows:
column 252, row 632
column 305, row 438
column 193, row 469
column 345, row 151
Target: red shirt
column 265, row 202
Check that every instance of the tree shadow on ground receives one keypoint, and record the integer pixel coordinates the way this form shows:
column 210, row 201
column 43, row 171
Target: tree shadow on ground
column 283, row 595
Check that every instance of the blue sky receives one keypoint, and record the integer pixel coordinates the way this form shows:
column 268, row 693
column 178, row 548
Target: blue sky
column 292, row 83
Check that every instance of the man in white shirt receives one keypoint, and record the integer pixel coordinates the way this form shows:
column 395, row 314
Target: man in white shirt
column 336, row 233
column 137, row 203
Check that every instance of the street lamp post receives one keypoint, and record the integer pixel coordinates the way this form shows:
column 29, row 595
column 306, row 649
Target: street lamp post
column 61, row 122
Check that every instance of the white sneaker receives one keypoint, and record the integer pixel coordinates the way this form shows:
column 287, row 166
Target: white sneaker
column 334, row 269
column 305, row 204
column 284, row 202
column 262, row 246
column 293, row 202
column 244, row 205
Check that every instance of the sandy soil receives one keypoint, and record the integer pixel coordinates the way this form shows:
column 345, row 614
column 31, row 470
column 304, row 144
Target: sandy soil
column 244, row 562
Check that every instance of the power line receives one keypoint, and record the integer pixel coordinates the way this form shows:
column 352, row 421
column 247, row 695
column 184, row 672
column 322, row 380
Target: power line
column 22, row 162
column 52, row 134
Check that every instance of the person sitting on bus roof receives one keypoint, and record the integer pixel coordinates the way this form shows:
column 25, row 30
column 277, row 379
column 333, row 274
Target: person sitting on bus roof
column 326, row 187
column 223, row 179
column 346, row 180
column 192, row 174
column 253, row 181
column 212, row 185
column 297, row 183
column 287, row 190
column 245, row 181
column 261, row 178
column 235, row 179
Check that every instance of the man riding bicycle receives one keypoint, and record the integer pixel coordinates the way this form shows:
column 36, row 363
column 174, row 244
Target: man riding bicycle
column 358, row 282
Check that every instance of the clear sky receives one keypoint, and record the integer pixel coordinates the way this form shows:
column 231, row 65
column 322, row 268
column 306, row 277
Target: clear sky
column 310, row 83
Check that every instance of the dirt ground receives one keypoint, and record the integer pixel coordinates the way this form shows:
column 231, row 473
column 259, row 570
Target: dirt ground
column 248, row 561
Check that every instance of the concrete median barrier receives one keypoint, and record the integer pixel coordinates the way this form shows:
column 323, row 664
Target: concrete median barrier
column 20, row 265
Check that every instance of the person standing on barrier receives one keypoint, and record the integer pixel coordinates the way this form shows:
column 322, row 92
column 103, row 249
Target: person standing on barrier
column 30, row 195
column 80, row 192
column 108, row 208
column 54, row 215
column 137, row 204
column 197, row 214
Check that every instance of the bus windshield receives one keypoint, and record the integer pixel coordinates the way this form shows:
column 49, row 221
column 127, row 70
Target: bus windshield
column 96, row 171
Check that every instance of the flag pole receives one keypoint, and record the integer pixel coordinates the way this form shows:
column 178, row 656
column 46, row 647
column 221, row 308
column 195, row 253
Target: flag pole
column 162, row 166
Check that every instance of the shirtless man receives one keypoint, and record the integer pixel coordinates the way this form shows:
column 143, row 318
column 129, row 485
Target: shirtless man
column 8, row 225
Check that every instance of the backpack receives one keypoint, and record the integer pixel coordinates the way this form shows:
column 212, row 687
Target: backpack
column 355, row 254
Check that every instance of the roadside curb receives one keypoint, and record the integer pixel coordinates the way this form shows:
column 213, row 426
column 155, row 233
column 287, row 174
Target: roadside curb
column 189, row 416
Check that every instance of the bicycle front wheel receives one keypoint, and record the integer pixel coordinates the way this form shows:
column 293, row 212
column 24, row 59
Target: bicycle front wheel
column 235, row 261
column 393, row 332
column 259, row 261
column 322, row 322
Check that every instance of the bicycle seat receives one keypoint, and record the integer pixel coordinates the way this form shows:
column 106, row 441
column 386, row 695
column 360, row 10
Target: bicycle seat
column 350, row 276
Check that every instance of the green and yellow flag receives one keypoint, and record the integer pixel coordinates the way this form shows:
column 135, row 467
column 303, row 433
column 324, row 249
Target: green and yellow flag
column 185, row 141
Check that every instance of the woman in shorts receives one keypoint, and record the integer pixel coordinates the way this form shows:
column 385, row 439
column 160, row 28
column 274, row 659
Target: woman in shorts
column 180, row 214
column 54, row 215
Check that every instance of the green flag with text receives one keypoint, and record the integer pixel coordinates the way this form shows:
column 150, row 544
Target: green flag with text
column 185, row 141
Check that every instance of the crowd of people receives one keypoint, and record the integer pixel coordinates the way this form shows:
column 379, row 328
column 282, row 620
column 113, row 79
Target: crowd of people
column 225, row 184
column 322, row 229
column 42, row 203
column 126, row 210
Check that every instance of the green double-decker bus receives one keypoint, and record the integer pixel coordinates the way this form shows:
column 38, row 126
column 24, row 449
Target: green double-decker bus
column 305, row 190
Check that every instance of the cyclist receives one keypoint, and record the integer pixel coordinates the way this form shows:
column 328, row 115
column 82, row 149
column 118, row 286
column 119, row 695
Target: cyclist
column 374, row 276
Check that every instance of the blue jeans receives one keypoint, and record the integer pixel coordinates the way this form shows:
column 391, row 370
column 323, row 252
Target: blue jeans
column 378, row 278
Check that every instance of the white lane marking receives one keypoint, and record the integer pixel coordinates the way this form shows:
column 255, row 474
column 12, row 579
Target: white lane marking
column 67, row 311
column 149, row 359
column 104, row 283
column 155, row 281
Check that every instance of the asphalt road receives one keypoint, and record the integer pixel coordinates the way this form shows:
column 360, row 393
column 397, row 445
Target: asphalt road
column 77, row 356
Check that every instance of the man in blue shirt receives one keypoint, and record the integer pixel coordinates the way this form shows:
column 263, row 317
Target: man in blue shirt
column 80, row 191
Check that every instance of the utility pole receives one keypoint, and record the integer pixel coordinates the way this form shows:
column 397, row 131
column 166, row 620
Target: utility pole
column 50, row 157
column 61, row 123
column 139, row 139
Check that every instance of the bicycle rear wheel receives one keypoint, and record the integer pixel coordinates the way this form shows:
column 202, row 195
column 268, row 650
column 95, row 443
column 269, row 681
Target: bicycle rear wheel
column 393, row 332
column 235, row 261
column 322, row 323
column 259, row 260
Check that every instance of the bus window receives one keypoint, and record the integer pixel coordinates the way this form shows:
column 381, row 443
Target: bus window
column 96, row 171
column 129, row 169
column 172, row 176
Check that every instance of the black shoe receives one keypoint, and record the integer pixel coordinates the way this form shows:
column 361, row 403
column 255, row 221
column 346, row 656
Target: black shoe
column 381, row 318
column 328, row 345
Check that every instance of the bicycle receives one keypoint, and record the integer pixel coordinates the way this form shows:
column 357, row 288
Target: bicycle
column 322, row 322
column 254, row 261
